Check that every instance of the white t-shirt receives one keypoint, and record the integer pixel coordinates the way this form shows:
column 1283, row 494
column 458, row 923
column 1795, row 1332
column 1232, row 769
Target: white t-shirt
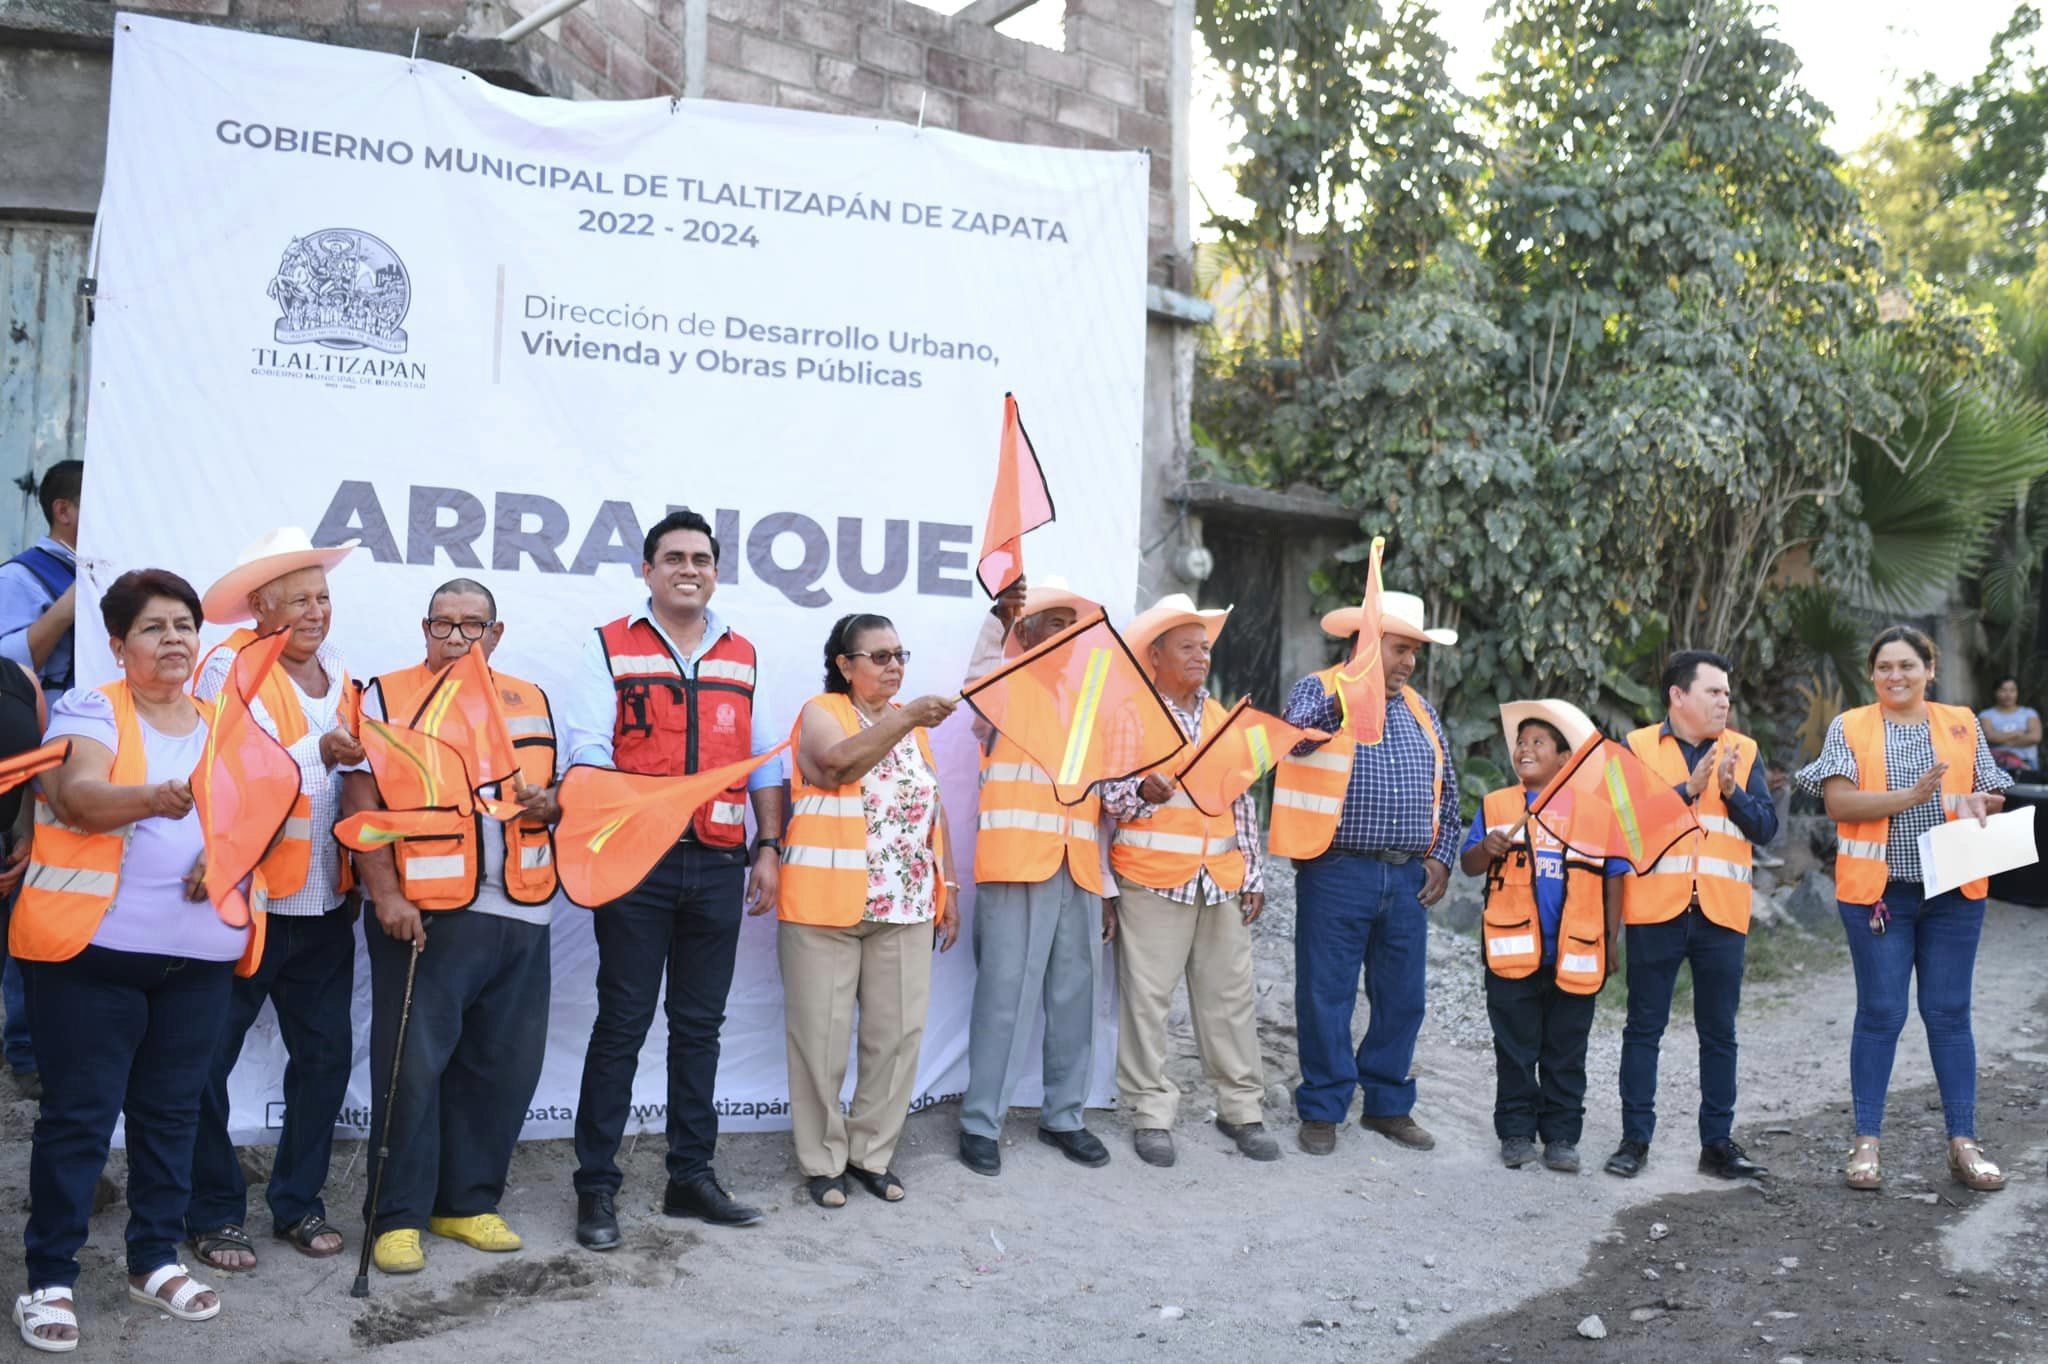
column 150, row 912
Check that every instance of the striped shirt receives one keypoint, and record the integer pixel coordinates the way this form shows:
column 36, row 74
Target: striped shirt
column 1122, row 803
column 1387, row 805
column 1908, row 756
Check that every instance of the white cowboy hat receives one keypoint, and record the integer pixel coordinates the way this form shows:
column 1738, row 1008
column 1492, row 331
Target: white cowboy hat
column 1052, row 594
column 1562, row 716
column 1176, row 608
column 284, row 550
column 1400, row 614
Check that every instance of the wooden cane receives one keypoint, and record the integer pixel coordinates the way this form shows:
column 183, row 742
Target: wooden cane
column 361, row 1289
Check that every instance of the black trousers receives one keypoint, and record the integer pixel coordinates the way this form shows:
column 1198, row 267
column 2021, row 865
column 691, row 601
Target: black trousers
column 1539, row 1053
column 683, row 920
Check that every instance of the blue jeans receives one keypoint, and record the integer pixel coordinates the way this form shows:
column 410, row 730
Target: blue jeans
column 1655, row 952
column 124, row 1032
column 1931, row 943
column 473, row 1048
column 1352, row 911
column 684, row 919
column 308, row 974
column 14, row 1036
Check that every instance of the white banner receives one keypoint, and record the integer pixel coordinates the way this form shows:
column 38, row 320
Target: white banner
column 498, row 336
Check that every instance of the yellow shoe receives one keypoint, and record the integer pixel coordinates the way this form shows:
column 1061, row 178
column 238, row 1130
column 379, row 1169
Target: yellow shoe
column 398, row 1252
column 485, row 1231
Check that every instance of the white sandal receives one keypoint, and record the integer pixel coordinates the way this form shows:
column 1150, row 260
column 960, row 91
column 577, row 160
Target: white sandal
column 179, row 1303
column 32, row 1310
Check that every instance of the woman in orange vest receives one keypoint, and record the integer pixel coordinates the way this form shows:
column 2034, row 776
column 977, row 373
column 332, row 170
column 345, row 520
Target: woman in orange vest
column 862, row 900
column 128, row 967
column 1890, row 772
column 1546, row 940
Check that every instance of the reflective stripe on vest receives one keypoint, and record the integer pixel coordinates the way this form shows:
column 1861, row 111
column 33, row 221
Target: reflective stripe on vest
column 1308, row 791
column 1861, row 868
column 1023, row 835
column 73, row 876
column 1176, row 842
column 1711, row 866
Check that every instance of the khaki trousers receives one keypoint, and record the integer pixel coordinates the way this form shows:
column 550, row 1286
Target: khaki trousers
column 887, row 968
column 1157, row 942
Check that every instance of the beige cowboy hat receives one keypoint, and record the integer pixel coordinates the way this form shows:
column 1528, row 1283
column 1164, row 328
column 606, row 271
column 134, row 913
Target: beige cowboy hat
column 1052, row 594
column 1400, row 614
column 284, row 550
column 1176, row 608
column 1562, row 716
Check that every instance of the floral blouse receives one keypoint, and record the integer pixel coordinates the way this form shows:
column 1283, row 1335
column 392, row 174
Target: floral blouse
column 900, row 798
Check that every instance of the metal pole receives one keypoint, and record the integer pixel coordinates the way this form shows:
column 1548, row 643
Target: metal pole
column 361, row 1289
column 546, row 14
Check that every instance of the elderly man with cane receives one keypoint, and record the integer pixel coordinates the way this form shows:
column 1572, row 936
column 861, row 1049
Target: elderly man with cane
column 308, row 966
column 457, row 1033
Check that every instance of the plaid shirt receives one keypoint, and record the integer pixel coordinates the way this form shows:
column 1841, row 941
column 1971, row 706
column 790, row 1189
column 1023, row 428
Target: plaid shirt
column 1387, row 805
column 1122, row 803
column 1908, row 756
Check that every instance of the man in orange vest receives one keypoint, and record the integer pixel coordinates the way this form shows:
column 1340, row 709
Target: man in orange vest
column 309, row 955
column 1372, row 831
column 479, row 1023
column 1189, row 887
column 670, row 690
column 1038, row 930
column 1693, row 906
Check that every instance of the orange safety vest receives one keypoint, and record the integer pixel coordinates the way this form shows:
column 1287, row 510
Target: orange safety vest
column 1177, row 842
column 1860, row 867
column 445, row 873
column 285, row 866
column 824, row 880
column 1308, row 791
column 1712, row 866
column 73, row 875
column 669, row 723
column 1024, row 834
column 1511, row 928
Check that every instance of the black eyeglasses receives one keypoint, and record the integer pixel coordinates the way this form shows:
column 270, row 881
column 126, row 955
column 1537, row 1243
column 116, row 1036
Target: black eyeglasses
column 472, row 630
column 884, row 657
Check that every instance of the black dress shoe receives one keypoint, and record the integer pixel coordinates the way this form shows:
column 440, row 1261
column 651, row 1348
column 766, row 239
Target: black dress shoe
column 701, row 1197
column 1629, row 1159
column 597, row 1224
column 1726, row 1160
column 1080, row 1146
column 981, row 1154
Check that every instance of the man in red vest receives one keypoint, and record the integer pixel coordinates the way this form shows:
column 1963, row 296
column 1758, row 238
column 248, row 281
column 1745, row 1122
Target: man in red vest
column 669, row 690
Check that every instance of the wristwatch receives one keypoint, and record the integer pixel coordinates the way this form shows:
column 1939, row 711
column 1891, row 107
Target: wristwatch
column 774, row 843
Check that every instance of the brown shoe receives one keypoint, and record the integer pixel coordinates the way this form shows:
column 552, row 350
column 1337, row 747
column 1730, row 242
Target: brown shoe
column 1318, row 1138
column 1403, row 1129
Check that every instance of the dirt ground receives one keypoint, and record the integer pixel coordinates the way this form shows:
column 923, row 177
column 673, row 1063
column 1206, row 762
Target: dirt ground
column 1374, row 1253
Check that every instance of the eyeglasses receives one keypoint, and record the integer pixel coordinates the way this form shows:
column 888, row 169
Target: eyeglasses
column 884, row 657
column 472, row 630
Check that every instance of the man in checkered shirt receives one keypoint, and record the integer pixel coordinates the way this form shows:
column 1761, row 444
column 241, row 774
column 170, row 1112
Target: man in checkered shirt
column 1372, row 829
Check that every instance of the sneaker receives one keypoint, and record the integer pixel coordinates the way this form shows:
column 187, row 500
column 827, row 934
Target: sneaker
column 398, row 1252
column 1561, row 1156
column 1515, row 1152
column 485, row 1231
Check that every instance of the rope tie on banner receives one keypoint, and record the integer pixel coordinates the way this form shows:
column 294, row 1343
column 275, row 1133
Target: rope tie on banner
column 413, row 62
column 922, row 95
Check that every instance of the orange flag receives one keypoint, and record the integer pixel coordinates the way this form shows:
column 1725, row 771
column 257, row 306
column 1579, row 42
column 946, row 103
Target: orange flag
column 1246, row 746
column 1362, row 683
column 616, row 826
column 1021, row 502
column 463, row 709
column 374, row 829
column 415, row 770
column 1606, row 802
column 246, row 782
column 1081, row 709
column 26, row 767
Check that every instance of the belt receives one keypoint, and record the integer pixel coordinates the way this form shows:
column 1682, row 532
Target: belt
column 1389, row 856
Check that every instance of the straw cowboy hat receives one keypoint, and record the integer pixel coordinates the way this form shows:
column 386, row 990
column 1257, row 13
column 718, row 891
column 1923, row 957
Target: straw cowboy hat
column 1176, row 608
column 284, row 550
column 1052, row 594
column 1400, row 614
column 1566, row 718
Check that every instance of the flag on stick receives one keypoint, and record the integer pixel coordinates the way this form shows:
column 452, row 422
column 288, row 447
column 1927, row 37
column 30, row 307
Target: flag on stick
column 1362, row 682
column 463, row 709
column 26, row 767
column 1080, row 707
column 1606, row 802
column 246, row 782
column 1021, row 502
column 616, row 826
column 415, row 770
column 1229, row 762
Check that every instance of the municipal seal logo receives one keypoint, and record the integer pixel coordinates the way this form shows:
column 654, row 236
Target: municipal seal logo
column 343, row 289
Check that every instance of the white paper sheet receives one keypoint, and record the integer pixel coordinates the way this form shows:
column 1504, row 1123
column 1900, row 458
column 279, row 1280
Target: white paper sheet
column 1963, row 850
